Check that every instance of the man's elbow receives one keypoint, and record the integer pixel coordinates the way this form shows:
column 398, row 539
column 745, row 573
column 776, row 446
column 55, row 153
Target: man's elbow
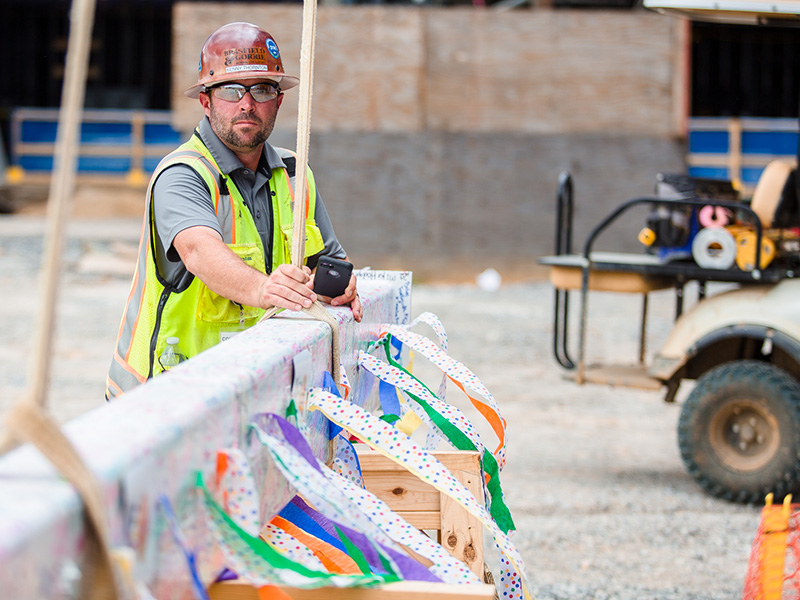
column 193, row 245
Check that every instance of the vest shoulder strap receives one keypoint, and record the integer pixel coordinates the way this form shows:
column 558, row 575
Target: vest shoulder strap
column 289, row 158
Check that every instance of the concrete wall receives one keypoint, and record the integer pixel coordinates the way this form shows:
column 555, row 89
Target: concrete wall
column 440, row 133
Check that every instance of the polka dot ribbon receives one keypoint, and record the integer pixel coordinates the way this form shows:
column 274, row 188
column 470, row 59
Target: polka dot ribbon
column 344, row 383
column 447, row 568
column 398, row 447
column 339, row 499
column 345, row 462
column 434, row 323
column 452, row 424
column 458, row 374
column 291, row 547
column 236, row 489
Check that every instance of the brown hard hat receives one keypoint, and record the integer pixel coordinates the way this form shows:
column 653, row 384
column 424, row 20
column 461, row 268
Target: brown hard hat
column 239, row 51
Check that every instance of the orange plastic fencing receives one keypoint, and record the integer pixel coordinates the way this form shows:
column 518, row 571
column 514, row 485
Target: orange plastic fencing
column 773, row 572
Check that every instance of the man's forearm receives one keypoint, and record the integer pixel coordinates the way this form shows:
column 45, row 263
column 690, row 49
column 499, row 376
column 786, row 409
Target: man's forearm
column 225, row 273
column 207, row 257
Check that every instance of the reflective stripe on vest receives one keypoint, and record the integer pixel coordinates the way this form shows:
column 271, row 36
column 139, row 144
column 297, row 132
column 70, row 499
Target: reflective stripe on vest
column 156, row 310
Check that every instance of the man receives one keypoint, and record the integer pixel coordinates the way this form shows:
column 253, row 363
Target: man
column 215, row 250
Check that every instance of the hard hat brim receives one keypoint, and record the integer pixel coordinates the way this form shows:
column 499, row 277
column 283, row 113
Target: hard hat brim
column 286, row 82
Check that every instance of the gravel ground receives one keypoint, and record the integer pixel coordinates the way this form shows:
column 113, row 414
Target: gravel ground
column 603, row 505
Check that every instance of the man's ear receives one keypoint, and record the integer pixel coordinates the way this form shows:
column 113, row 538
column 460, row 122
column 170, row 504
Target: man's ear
column 205, row 102
column 279, row 99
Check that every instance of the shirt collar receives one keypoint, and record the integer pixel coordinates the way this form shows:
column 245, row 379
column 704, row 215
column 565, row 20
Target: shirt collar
column 225, row 157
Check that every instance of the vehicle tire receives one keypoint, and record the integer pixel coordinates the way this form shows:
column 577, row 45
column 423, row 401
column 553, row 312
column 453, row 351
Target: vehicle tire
column 739, row 432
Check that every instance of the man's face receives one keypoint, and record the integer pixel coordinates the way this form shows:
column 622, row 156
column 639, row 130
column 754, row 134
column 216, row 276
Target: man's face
column 245, row 125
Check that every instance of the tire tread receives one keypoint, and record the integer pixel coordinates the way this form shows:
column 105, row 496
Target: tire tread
column 721, row 377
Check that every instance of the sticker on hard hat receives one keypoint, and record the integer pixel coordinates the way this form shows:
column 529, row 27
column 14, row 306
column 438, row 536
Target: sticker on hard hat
column 239, row 56
column 240, row 68
column 273, row 48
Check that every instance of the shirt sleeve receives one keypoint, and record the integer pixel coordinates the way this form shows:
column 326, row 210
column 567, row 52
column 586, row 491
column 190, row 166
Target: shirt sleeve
column 180, row 200
column 332, row 246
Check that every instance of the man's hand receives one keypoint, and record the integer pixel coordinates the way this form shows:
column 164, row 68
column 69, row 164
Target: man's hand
column 287, row 287
column 350, row 297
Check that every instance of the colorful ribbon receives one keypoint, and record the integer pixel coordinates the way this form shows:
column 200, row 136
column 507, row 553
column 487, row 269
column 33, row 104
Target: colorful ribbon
column 452, row 424
column 338, row 498
column 396, row 446
column 460, row 375
column 258, row 562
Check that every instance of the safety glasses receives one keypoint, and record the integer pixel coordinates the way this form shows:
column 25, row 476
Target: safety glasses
column 233, row 92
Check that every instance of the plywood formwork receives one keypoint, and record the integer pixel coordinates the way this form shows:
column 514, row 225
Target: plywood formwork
column 406, row 69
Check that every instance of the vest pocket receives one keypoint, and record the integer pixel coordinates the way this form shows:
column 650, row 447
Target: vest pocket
column 314, row 243
column 213, row 308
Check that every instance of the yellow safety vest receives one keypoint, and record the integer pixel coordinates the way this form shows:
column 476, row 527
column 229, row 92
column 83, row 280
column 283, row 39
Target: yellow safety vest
column 190, row 311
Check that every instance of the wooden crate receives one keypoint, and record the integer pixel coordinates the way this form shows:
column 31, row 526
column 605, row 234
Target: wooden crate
column 424, row 507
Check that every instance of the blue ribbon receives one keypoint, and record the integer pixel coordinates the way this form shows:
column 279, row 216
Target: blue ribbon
column 329, row 385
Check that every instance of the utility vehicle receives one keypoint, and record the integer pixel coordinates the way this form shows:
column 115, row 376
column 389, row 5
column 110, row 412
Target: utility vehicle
column 739, row 428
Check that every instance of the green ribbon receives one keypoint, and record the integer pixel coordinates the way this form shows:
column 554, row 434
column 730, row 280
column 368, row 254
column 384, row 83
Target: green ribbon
column 279, row 562
column 291, row 410
column 497, row 507
column 353, row 552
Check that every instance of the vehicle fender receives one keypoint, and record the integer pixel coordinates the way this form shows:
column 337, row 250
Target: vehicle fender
column 758, row 312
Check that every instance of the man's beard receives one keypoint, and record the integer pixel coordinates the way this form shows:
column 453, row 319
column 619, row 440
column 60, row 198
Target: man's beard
column 237, row 141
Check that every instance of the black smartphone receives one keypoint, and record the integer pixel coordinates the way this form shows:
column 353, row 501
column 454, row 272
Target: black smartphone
column 332, row 276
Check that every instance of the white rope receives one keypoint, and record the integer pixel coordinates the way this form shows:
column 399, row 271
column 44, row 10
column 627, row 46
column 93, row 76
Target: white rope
column 303, row 129
column 62, row 185
column 305, row 92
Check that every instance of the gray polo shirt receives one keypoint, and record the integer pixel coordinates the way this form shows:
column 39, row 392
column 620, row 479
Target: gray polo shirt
column 182, row 200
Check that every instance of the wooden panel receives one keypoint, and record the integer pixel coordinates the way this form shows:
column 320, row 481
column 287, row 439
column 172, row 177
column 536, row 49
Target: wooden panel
column 407, row 69
column 403, row 590
column 549, row 71
column 401, row 490
column 571, row 278
column 462, row 532
column 452, row 459
column 372, row 59
column 422, row 519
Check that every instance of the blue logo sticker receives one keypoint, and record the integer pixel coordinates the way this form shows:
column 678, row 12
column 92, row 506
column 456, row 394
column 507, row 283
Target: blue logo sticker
column 273, row 48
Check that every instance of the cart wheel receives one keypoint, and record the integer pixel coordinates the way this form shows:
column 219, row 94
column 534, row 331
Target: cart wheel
column 739, row 431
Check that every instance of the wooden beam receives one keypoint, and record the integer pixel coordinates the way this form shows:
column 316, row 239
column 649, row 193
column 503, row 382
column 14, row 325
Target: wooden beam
column 402, row 590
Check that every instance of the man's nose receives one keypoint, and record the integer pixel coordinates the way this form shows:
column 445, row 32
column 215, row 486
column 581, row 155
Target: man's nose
column 247, row 103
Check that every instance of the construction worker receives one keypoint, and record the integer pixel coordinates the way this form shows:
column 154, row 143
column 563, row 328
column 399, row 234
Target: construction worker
column 215, row 250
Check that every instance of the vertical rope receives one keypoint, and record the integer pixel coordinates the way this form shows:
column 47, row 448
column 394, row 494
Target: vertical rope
column 62, row 185
column 28, row 420
column 304, row 129
column 305, row 92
